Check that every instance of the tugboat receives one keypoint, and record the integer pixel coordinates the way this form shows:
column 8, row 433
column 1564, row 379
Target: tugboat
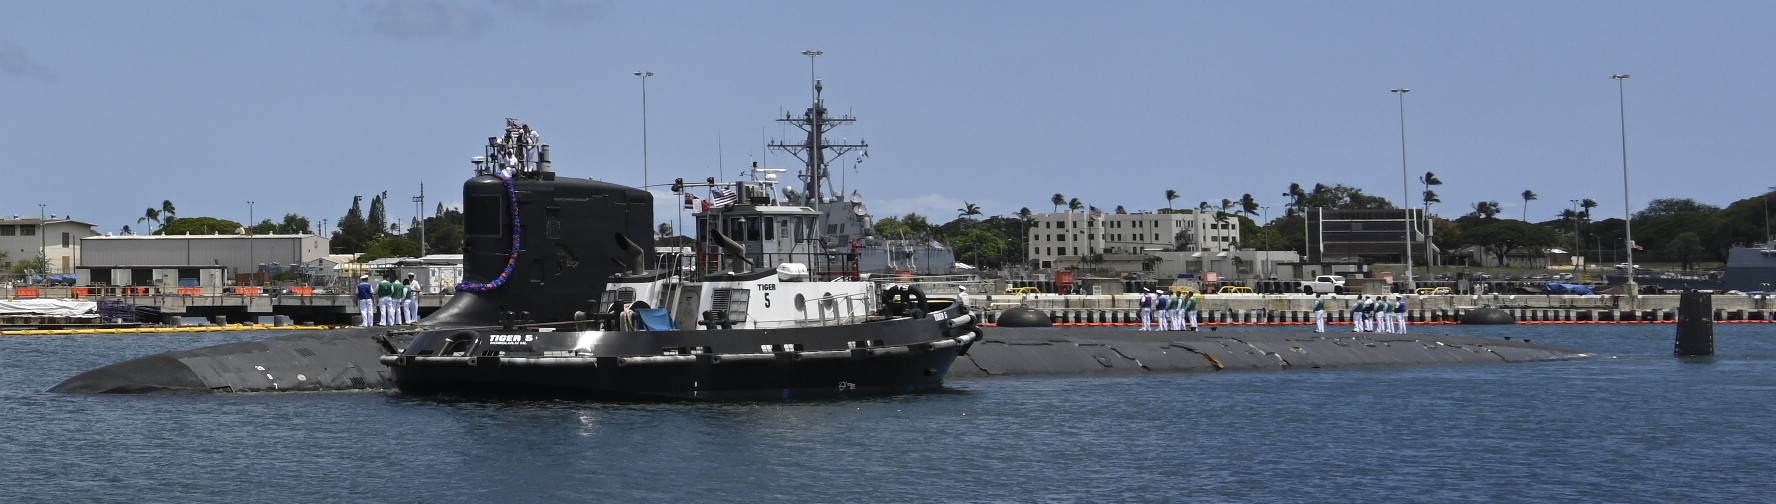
column 773, row 310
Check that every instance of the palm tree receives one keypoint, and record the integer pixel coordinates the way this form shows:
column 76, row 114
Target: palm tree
column 1486, row 209
column 1029, row 219
column 1221, row 215
column 1075, row 204
column 1297, row 198
column 152, row 215
column 1121, row 211
column 968, row 209
column 126, row 230
column 1058, row 200
column 1201, row 210
column 1171, row 194
column 1587, row 204
column 167, row 212
column 1528, row 196
column 1248, row 205
column 665, row 230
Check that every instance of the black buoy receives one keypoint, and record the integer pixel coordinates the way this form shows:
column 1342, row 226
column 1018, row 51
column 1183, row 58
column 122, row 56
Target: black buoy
column 1486, row 316
column 1695, row 324
column 1024, row 317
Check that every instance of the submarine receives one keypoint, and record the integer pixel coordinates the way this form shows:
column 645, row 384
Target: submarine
column 535, row 247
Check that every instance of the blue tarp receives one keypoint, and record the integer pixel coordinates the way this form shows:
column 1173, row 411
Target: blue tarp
column 1566, row 288
column 654, row 319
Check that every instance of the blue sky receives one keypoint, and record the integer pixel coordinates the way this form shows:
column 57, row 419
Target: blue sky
column 111, row 107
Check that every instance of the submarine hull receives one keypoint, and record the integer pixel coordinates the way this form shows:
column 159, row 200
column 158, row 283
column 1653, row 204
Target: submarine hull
column 322, row 360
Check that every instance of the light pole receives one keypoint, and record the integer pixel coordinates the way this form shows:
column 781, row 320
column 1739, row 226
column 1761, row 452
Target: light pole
column 1263, row 270
column 42, row 238
column 1429, row 179
column 419, row 206
column 1627, row 206
column 1405, row 189
column 252, row 261
column 644, row 125
column 1576, row 239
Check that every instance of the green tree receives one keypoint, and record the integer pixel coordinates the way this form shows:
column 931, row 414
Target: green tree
column 377, row 220
column 1058, row 200
column 264, row 227
column 892, row 228
column 1502, row 237
column 1171, row 194
column 386, row 246
column 293, row 224
column 353, row 233
column 167, row 212
column 152, row 216
column 1486, row 210
column 33, row 266
column 981, row 246
column 1528, row 196
column 201, row 226
column 1685, row 248
column 968, row 210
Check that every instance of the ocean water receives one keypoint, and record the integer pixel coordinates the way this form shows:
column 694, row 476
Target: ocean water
column 1631, row 425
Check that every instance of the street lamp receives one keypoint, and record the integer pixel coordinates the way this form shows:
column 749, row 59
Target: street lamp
column 1405, row 188
column 42, row 238
column 252, row 262
column 419, row 202
column 1627, row 206
column 1429, row 179
column 644, row 125
column 1576, row 239
column 1262, row 268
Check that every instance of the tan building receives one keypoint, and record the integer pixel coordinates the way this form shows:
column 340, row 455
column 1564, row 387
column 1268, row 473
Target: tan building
column 56, row 239
column 1078, row 234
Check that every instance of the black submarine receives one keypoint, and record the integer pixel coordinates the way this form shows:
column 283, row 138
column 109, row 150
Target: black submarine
column 537, row 250
column 536, row 246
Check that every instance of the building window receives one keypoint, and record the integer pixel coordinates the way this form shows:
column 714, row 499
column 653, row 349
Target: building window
column 8, row 230
column 65, row 238
column 27, row 230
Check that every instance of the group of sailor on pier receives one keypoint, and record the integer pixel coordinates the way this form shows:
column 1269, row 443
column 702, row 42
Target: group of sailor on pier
column 1176, row 312
column 397, row 303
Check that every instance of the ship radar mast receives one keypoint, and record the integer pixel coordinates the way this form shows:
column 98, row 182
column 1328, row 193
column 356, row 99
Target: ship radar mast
column 815, row 152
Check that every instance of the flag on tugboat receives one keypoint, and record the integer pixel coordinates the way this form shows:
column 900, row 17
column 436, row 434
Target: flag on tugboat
column 934, row 244
column 724, row 197
column 690, row 201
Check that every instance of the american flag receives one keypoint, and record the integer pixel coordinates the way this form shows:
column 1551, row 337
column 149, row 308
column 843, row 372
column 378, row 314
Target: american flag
column 1097, row 212
column 690, row 201
column 723, row 197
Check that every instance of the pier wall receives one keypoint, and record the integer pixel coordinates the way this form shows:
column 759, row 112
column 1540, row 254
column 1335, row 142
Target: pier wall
column 1298, row 308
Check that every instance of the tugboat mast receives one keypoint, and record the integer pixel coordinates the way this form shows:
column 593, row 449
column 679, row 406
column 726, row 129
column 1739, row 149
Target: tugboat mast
column 815, row 152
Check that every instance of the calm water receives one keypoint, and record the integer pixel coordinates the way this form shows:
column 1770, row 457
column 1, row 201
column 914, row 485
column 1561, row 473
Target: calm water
column 1634, row 425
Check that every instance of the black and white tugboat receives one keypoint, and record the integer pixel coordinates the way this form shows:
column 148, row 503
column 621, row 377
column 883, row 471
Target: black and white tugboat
column 771, row 311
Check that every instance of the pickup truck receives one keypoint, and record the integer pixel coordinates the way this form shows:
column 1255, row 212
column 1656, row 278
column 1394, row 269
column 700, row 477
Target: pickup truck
column 1323, row 284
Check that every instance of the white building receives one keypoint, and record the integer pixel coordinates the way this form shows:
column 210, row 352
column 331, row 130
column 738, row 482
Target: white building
column 56, row 239
column 1078, row 234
